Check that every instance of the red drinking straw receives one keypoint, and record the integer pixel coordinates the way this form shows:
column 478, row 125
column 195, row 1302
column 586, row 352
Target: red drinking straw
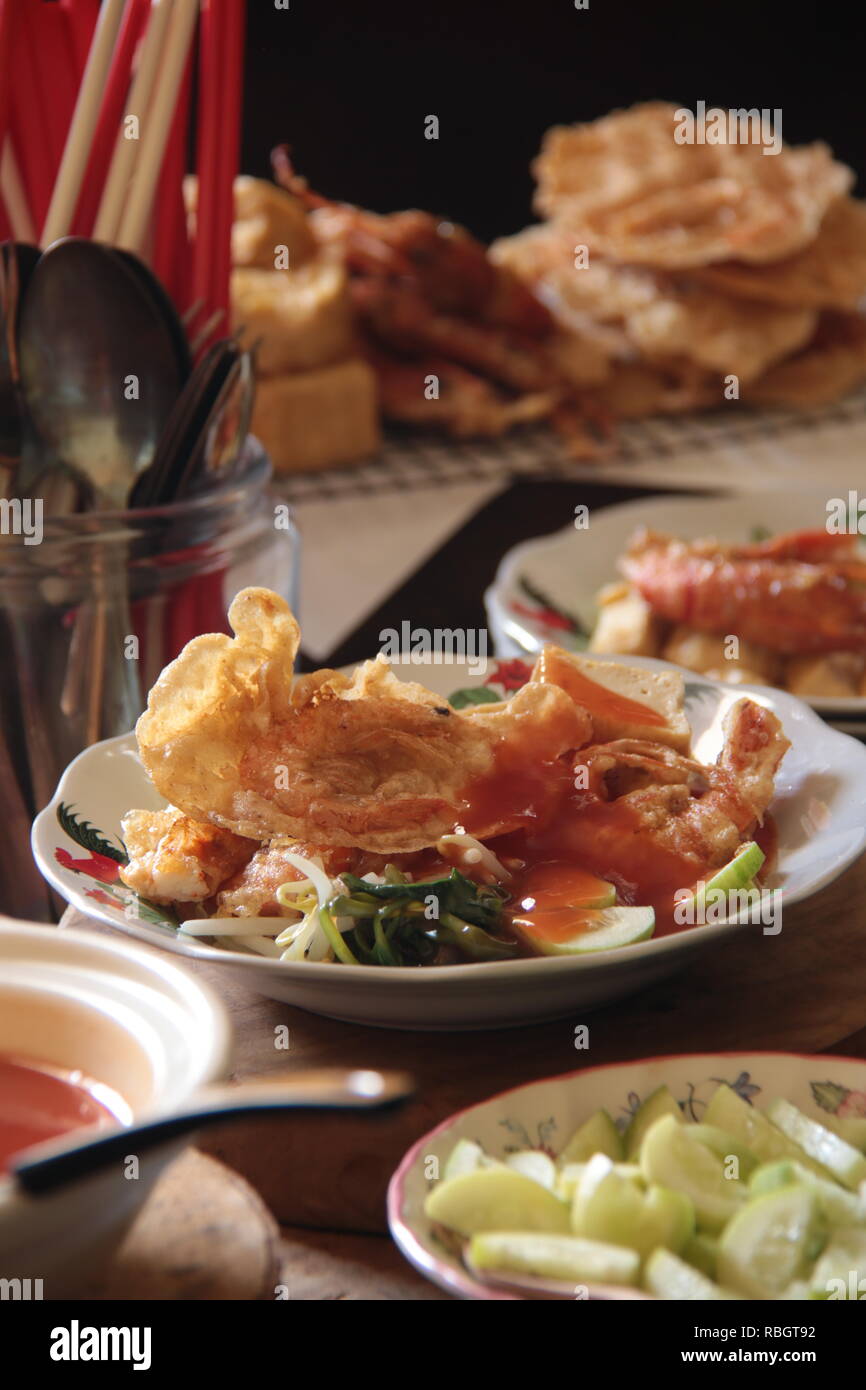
column 230, row 110
column 79, row 17
column 56, row 72
column 171, row 244
column 28, row 122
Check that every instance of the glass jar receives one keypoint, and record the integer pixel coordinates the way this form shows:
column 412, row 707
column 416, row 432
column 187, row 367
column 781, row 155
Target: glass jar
column 94, row 610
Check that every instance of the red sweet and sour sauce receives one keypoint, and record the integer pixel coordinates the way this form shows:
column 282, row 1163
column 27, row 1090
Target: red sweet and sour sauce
column 39, row 1103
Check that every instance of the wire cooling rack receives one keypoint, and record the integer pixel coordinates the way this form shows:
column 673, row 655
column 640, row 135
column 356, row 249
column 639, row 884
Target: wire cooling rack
column 751, row 448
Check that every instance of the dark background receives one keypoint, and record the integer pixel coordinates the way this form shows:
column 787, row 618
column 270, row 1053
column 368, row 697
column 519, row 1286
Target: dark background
column 348, row 84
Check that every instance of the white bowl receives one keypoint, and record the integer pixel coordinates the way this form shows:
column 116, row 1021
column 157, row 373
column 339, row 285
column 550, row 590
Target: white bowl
column 544, row 1115
column 569, row 567
column 818, row 809
column 127, row 1018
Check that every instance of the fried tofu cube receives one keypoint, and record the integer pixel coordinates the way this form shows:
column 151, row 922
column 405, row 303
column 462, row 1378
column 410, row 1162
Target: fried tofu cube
column 707, row 652
column 835, row 674
column 624, row 701
column 626, row 624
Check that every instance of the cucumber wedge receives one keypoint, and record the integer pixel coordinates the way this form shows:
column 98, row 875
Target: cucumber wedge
column 532, row 1163
column 496, row 1199
column 669, row 1157
column 465, row 1157
column 554, row 1257
column 604, row 930
column 845, row 1163
column 569, row 1177
column 670, row 1278
column 771, row 1242
column 657, row 1104
column 851, row 1128
column 739, row 871
column 729, row 1111
column 838, row 1207
column 614, row 1210
column 842, row 1268
column 725, row 1146
column 701, row 1252
column 597, row 1135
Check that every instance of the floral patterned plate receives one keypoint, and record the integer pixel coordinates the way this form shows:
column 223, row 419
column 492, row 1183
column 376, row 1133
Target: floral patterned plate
column 544, row 1114
column 818, row 810
column 545, row 589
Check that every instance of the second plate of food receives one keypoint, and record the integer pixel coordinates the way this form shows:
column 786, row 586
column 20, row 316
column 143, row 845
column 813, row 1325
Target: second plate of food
column 449, row 844
column 789, row 589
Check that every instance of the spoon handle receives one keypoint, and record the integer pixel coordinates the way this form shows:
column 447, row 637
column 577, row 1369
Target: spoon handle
column 326, row 1089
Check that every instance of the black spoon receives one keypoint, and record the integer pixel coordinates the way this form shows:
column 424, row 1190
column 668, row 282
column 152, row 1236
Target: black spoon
column 325, row 1089
column 17, row 262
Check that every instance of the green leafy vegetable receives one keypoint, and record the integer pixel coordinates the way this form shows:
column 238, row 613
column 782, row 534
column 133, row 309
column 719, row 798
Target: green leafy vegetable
column 400, row 922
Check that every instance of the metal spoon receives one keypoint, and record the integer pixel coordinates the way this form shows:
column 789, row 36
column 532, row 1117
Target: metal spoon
column 17, row 263
column 99, row 365
column 325, row 1089
column 179, row 453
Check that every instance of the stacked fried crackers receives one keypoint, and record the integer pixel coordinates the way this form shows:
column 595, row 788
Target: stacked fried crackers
column 701, row 273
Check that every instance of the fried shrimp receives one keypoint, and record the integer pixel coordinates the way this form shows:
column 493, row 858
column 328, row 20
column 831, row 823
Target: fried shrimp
column 175, row 859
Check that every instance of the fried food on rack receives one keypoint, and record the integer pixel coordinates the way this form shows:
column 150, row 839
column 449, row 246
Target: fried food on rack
column 829, row 273
column 369, row 761
column 794, row 594
column 625, row 186
column 829, row 366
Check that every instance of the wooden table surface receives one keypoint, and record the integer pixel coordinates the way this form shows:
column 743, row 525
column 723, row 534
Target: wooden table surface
column 325, row 1176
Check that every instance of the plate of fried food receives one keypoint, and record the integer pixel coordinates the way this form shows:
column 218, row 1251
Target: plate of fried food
column 498, row 844
column 759, row 589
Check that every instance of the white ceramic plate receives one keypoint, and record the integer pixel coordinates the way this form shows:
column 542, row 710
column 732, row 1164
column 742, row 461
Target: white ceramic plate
column 544, row 1114
column 818, row 809
column 544, row 584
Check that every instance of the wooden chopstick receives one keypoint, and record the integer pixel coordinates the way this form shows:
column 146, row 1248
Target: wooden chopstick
column 76, row 151
column 111, row 112
column 138, row 207
column 127, row 153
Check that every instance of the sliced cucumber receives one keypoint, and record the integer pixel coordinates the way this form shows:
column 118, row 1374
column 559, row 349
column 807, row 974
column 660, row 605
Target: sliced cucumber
column 839, row 1158
column 671, row 1158
column 660, row 1102
column 739, row 871
column 851, row 1128
column 554, row 1257
column 670, row 1278
column 614, row 1210
column 842, row 1267
column 597, row 1135
column 770, row 1242
column 571, row 1174
column 465, row 1157
column 496, row 1199
column 532, row 1163
column 838, row 1207
column 702, row 1252
column 729, row 1111
column 725, row 1146
column 604, row 930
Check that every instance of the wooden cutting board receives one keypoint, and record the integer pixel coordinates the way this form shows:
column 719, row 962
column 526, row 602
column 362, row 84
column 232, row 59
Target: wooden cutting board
column 202, row 1234
column 801, row 991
